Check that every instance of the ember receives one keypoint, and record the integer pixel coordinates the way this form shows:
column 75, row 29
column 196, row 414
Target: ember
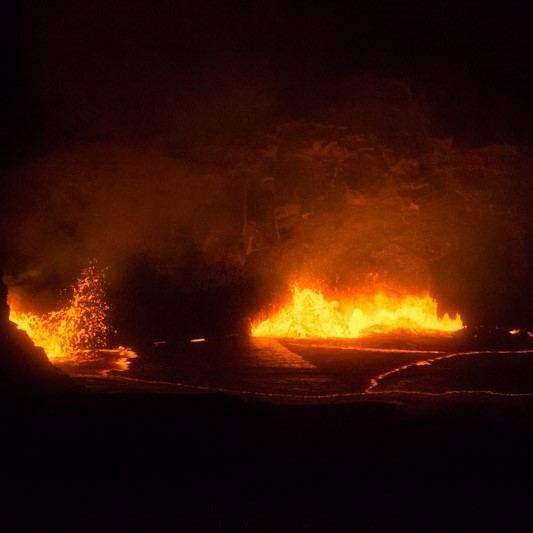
column 80, row 326
column 311, row 315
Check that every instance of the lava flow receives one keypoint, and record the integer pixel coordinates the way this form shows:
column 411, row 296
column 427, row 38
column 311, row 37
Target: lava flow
column 77, row 328
column 310, row 315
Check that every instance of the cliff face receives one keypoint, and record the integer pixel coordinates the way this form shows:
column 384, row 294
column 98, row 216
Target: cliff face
column 24, row 368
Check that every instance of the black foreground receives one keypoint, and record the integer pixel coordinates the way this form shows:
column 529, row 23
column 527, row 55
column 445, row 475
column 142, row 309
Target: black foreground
column 125, row 462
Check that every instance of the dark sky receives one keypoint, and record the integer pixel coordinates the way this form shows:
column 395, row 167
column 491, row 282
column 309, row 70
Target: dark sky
column 175, row 71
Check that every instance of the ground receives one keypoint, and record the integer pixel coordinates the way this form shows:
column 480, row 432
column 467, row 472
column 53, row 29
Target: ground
column 147, row 462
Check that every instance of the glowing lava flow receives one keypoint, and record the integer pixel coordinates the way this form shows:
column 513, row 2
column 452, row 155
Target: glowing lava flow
column 76, row 328
column 310, row 315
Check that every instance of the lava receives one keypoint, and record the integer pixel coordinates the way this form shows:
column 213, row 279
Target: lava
column 310, row 315
column 78, row 327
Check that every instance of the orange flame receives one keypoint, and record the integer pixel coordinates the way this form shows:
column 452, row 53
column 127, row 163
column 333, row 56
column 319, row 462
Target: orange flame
column 311, row 315
column 78, row 327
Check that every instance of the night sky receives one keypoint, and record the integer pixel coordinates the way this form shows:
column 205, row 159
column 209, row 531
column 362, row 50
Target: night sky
column 85, row 85
column 148, row 70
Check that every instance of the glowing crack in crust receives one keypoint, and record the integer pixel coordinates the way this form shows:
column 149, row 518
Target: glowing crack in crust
column 375, row 382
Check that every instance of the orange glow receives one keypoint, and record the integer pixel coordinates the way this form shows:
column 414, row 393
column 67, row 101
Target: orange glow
column 78, row 327
column 310, row 315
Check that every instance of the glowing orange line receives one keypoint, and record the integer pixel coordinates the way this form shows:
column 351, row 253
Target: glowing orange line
column 374, row 382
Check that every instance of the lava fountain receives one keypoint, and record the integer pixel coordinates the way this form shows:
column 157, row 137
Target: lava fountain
column 310, row 315
column 78, row 328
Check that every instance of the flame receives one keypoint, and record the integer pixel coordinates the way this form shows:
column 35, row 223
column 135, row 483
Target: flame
column 78, row 327
column 310, row 315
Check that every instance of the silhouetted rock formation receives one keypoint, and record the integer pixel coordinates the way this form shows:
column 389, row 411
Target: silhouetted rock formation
column 24, row 368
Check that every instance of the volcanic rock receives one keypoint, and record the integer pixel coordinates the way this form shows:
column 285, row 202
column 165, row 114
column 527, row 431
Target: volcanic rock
column 25, row 370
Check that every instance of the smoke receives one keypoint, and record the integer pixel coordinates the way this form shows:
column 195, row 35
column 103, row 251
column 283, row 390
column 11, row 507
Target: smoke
column 214, row 146
column 134, row 107
column 344, row 199
column 115, row 203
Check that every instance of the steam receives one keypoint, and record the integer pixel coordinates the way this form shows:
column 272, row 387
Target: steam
column 111, row 203
column 203, row 146
column 342, row 199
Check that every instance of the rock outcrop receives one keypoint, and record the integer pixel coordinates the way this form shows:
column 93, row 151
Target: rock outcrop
column 25, row 370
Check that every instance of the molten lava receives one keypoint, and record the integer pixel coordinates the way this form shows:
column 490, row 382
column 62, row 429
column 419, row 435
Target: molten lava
column 80, row 326
column 310, row 315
